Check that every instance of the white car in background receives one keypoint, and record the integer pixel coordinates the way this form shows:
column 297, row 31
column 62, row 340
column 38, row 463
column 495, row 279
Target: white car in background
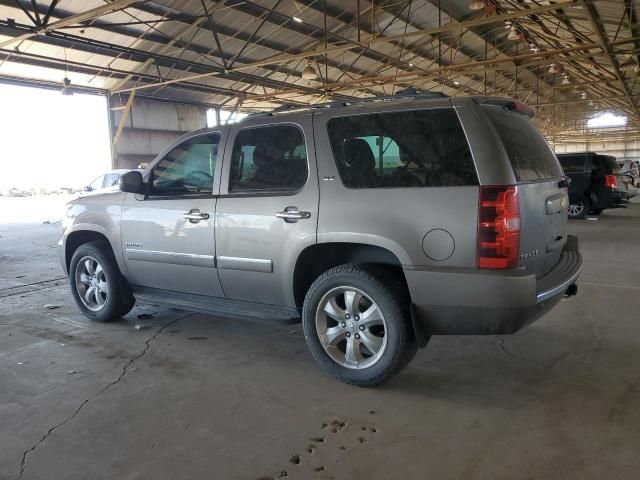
column 630, row 169
column 107, row 182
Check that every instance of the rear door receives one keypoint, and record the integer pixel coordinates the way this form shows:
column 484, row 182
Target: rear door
column 578, row 168
column 543, row 196
column 611, row 167
column 267, row 211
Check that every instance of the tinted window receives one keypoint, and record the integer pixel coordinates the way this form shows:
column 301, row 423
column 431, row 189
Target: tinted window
column 188, row 168
column 268, row 158
column 605, row 165
column 572, row 164
column 111, row 179
column 97, row 183
column 529, row 153
column 419, row 148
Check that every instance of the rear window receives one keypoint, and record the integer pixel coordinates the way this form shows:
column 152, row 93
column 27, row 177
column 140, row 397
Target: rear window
column 529, row 153
column 608, row 164
column 420, row 148
column 573, row 164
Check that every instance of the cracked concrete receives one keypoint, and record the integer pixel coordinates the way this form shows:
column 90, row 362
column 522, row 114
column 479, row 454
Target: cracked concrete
column 201, row 397
column 129, row 364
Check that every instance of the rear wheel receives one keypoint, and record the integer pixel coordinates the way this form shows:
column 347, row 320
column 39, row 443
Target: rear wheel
column 97, row 285
column 357, row 327
column 580, row 208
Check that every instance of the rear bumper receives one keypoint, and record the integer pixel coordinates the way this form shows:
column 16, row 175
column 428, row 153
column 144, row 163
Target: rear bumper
column 473, row 302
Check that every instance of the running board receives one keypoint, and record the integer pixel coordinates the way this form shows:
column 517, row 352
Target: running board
column 221, row 307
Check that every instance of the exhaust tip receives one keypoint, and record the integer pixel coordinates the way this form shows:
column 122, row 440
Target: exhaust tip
column 571, row 290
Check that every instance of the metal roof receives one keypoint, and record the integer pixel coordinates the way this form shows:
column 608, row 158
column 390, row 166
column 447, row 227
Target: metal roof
column 250, row 54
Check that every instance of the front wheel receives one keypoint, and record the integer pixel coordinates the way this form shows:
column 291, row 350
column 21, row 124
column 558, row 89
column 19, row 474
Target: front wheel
column 97, row 285
column 357, row 327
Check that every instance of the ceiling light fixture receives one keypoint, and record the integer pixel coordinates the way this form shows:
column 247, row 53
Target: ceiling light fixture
column 297, row 19
column 476, row 5
column 553, row 68
column 66, row 87
column 628, row 64
column 309, row 73
column 514, row 34
column 566, row 81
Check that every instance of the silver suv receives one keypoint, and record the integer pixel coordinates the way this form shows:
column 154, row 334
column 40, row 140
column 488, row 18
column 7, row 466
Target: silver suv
column 377, row 223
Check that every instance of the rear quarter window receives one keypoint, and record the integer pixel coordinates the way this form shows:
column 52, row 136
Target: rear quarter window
column 573, row 164
column 419, row 148
column 530, row 155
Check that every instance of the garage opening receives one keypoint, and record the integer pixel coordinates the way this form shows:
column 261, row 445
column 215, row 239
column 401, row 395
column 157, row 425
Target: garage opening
column 52, row 146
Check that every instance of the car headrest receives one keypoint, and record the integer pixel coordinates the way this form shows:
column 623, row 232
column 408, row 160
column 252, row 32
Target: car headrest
column 358, row 154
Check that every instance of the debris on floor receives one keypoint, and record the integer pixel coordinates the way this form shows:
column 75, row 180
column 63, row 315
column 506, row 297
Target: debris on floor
column 197, row 338
column 51, row 306
column 141, row 326
column 71, row 372
column 144, row 316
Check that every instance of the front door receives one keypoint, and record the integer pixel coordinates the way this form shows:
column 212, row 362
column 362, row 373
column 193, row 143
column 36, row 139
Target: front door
column 168, row 235
column 267, row 211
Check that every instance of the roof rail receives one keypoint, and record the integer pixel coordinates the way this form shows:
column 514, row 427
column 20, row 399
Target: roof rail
column 407, row 93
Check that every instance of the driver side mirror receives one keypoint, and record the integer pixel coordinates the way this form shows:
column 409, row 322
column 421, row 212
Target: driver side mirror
column 132, row 182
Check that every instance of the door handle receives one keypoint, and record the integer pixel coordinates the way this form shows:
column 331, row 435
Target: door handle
column 292, row 214
column 194, row 215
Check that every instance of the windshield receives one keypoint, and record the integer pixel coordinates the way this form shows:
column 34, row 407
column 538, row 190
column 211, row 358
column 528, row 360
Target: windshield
column 529, row 153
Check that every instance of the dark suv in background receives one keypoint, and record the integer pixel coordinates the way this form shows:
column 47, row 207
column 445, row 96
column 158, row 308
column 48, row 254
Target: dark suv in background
column 596, row 183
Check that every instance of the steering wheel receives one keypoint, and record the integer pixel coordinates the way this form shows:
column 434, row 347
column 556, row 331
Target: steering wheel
column 192, row 178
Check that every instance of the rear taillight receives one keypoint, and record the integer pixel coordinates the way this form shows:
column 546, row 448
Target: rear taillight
column 611, row 181
column 498, row 227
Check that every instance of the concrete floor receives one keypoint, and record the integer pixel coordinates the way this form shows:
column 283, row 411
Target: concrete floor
column 197, row 397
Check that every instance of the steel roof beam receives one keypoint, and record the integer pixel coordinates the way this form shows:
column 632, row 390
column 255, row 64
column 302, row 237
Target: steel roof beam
column 184, row 18
column 594, row 19
column 453, row 26
column 111, row 50
column 80, row 17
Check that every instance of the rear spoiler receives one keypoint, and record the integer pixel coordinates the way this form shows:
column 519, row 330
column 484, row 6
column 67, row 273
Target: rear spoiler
column 508, row 104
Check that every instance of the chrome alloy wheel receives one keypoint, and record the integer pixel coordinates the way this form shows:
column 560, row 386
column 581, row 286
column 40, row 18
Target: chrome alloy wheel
column 575, row 209
column 91, row 283
column 351, row 328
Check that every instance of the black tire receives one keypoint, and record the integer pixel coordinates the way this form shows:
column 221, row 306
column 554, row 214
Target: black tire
column 391, row 298
column 119, row 300
column 580, row 209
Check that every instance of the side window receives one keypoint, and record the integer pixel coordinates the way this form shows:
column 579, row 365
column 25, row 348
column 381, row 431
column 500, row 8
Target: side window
column 598, row 166
column 111, row 180
column 97, row 183
column 385, row 152
column 420, row 148
column 573, row 164
column 268, row 158
column 188, row 168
